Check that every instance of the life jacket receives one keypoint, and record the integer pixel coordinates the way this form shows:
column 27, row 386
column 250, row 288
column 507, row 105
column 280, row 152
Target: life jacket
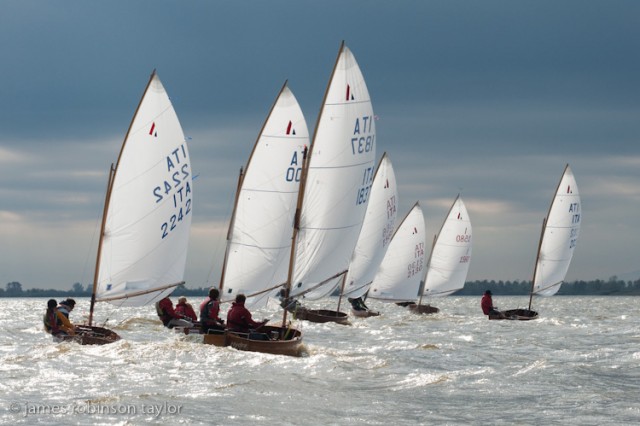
column 52, row 322
column 205, row 314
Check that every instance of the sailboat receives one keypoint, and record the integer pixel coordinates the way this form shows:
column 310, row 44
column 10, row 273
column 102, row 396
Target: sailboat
column 560, row 232
column 147, row 213
column 450, row 257
column 334, row 190
column 259, row 236
column 399, row 275
column 375, row 236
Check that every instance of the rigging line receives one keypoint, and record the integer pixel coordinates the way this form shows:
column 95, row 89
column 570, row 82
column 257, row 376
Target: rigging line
column 348, row 166
column 365, row 101
column 320, row 284
column 548, row 287
column 331, row 229
column 257, row 293
column 268, row 191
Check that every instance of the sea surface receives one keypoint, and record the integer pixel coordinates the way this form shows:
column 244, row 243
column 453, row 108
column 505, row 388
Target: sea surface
column 578, row 364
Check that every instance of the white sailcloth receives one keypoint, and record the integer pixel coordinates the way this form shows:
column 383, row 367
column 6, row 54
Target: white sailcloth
column 144, row 245
column 398, row 278
column 259, row 242
column 377, row 230
column 451, row 254
column 338, row 182
column 559, row 238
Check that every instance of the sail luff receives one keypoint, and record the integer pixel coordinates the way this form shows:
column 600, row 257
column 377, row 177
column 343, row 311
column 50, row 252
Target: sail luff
column 230, row 230
column 96, row 273
column 535, row 269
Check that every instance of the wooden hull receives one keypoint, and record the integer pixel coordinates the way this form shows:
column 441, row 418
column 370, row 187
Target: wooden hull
column 364, row 314
column 86, row 335
column 280, row 341
column 423, row 309
column 322, row 316
column 516, row 315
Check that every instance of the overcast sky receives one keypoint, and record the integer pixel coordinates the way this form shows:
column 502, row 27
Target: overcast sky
column 487, row 98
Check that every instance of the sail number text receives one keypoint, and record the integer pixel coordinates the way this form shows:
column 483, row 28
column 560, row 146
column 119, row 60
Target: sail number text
column 362, row 194
column 363, row 140
column 574, row 208
column 418, row 262
column 176, row 188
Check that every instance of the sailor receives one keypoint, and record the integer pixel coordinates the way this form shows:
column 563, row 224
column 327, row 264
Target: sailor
column 487, row 305
column 239, row 318
column 185, row 310
column 210, row 313
column 55, row 323
column 66, row 306
column 168, row 315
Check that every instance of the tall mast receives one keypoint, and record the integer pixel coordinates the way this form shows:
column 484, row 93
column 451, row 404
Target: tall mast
column 102, row 227
column 426, row 269
column 535, row 269
column 229, row 231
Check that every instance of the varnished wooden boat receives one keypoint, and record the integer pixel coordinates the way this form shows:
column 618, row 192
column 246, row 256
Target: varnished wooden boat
column 516, row 315
column 423, row 309
column 92, row 335
column 321, row 316
column 364, row 314
column 269, row 339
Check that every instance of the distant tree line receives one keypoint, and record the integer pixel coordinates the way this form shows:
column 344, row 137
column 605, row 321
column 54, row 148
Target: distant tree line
column 612, row 287
column 14, row 289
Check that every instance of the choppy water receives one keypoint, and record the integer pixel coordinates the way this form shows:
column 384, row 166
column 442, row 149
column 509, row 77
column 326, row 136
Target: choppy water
column 578, row 364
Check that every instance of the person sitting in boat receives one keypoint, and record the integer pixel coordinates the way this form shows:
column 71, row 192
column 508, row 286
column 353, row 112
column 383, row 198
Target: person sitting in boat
column 291, row 305
column 66, row 306
column 185, row 310
column 487, row 305
column 210, row 313
column 358, row 304
column 55, row 323
column 239, row 318
column 168, row 315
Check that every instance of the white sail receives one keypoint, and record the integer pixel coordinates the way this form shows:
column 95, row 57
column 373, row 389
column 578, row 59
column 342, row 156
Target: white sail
column 559, row 238
column 451, row 253
column 259, row 242
column 377, row 230
column 340, row 172
column 398, row 278
column 144, row 245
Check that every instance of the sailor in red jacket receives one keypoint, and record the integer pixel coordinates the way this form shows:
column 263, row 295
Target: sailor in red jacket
column 169, row 317
column 185, row 310
column 239, row 318
column 487, row 305
column 210, row 313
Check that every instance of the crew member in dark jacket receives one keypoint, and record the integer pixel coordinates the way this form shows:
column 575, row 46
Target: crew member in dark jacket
column 210, row 313
column 239, row 318
column 168, row 315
